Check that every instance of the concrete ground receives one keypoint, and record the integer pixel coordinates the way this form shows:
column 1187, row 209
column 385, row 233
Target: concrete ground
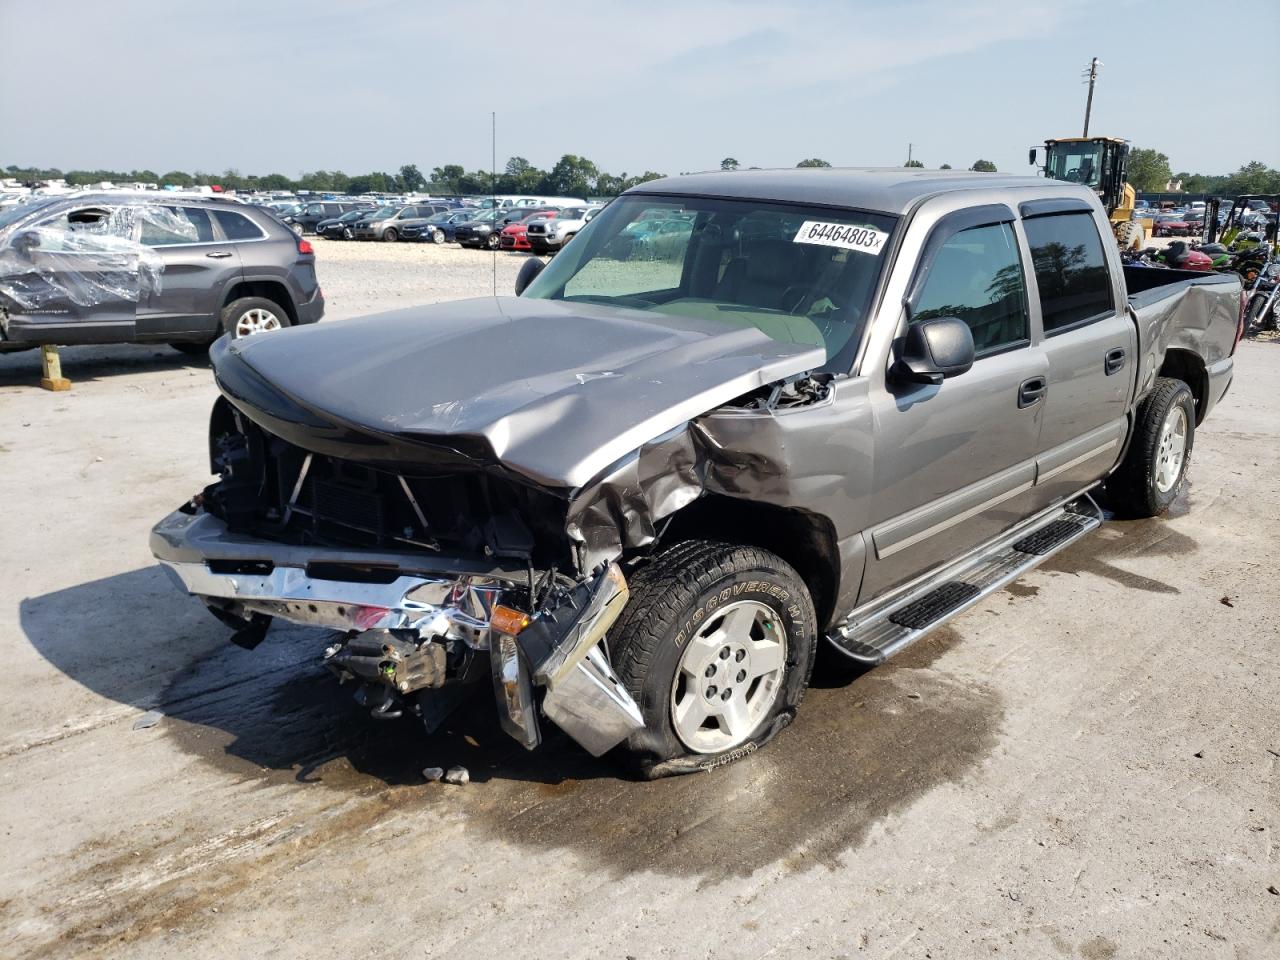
column 1084, row 765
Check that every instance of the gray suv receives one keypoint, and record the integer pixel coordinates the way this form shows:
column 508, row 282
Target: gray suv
column 113, row 268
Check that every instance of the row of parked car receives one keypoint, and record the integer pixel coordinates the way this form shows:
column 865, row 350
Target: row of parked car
column 538, row 227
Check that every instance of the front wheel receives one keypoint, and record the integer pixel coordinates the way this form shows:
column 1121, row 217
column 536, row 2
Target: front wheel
column 1155, row 466
column 347, row 233
column 437, row 236
column 716, row 645
column 492, row 241
column 390, row 235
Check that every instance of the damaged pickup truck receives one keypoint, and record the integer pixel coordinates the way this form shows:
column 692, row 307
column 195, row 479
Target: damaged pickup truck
column 831, row 407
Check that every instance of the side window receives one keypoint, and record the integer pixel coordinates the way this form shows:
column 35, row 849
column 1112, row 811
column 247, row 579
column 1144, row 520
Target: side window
column 977, row 276
column 236, row 226
column 156, row 232
column 1071, row 270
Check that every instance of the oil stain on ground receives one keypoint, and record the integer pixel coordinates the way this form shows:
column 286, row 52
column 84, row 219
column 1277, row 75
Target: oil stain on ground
column 857, row 753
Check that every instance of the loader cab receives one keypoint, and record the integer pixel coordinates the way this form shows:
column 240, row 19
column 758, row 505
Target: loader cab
column 1100, row 163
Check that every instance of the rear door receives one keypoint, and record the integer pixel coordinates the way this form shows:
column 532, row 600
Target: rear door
column 1089, row 341
column 198, row 264
column 954, row 464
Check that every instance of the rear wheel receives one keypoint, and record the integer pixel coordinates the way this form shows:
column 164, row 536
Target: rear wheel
column 250, row 316
column 716, row 645
column 1155, row 466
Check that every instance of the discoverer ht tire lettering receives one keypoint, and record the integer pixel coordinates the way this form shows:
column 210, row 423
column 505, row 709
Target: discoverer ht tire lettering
column 716, row 645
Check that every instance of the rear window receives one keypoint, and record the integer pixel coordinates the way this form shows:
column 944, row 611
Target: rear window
column 158, row 232
column 236, row 226
column 1071, row 270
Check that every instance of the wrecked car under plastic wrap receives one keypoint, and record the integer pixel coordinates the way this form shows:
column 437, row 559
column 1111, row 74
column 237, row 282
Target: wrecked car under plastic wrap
column 486, row 511
column 87, row 262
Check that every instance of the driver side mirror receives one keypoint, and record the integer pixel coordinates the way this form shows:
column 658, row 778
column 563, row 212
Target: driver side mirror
column 934, row 350
column 528, row 271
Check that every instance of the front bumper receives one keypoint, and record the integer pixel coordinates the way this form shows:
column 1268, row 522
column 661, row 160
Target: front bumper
column 425, row 602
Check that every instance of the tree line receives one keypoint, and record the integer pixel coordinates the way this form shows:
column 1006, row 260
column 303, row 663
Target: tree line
column 574, row 176
column 571, row 176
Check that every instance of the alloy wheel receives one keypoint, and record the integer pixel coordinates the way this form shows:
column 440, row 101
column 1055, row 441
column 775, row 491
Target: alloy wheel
column 729, row 677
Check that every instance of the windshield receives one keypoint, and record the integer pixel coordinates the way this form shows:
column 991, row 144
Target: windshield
column 799, row 274
column 382, row 213
column 1076, row 163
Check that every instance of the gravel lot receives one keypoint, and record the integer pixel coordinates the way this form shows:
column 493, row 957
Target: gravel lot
column 1084, row 765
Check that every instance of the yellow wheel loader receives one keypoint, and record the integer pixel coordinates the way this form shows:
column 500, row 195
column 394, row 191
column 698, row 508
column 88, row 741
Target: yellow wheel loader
column 1102, row 164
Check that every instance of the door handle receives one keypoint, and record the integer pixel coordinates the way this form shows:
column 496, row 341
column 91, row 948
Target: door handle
column 1114, row 360
column 1032, row 391
column 219, row 254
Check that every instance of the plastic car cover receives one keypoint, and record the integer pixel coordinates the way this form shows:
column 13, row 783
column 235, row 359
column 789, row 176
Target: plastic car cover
column 89, row 263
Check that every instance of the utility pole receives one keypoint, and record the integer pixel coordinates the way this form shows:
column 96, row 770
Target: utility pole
column 1093, row 79
column 910, row 146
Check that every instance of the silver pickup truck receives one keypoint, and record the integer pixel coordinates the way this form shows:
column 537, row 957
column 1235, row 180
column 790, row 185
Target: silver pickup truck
column 830, row 407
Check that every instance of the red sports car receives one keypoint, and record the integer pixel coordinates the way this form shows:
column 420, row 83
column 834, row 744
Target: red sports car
column 515, row 235
column 1171, row 226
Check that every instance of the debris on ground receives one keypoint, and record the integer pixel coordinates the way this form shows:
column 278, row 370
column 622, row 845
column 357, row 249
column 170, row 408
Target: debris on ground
column 1274, row 890
column 1226, row 602
column 433, row 774
column 458, row 775
column 148, row 720
column 1199, row 754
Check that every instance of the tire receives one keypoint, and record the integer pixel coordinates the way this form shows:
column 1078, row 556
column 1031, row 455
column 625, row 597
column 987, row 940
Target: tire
column 389, row 235
column 1153, row 471
column 239, row 317
column 1130, row 235
column 347, row 233
column 669, row 650
column 492, row 242
column 437, row 236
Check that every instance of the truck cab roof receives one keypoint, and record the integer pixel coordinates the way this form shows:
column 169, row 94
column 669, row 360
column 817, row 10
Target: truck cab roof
column 892, row 190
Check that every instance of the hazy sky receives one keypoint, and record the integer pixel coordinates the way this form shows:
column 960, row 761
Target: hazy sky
column 667, row 85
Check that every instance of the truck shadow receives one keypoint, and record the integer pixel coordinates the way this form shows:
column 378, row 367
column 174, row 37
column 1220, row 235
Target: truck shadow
column 857, row 753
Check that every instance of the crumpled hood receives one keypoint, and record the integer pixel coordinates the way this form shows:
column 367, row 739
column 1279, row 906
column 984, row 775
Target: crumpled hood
column 556, row 391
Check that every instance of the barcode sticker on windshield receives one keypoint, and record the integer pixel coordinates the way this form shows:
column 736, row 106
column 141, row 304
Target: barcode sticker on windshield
column 862, row 239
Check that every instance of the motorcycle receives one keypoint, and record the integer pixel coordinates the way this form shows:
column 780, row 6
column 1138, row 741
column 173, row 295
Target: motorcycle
column 1260, row 311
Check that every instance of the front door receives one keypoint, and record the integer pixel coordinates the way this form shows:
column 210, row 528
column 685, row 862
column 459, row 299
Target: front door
column 71, row 279
column 954, row 463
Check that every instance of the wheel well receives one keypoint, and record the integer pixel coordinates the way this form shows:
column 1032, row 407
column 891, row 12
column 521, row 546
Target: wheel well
column 268, row 290
column 805, row 540
column 1186, row 366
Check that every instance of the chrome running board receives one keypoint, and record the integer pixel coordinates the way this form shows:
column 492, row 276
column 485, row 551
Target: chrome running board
column 876, row 632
